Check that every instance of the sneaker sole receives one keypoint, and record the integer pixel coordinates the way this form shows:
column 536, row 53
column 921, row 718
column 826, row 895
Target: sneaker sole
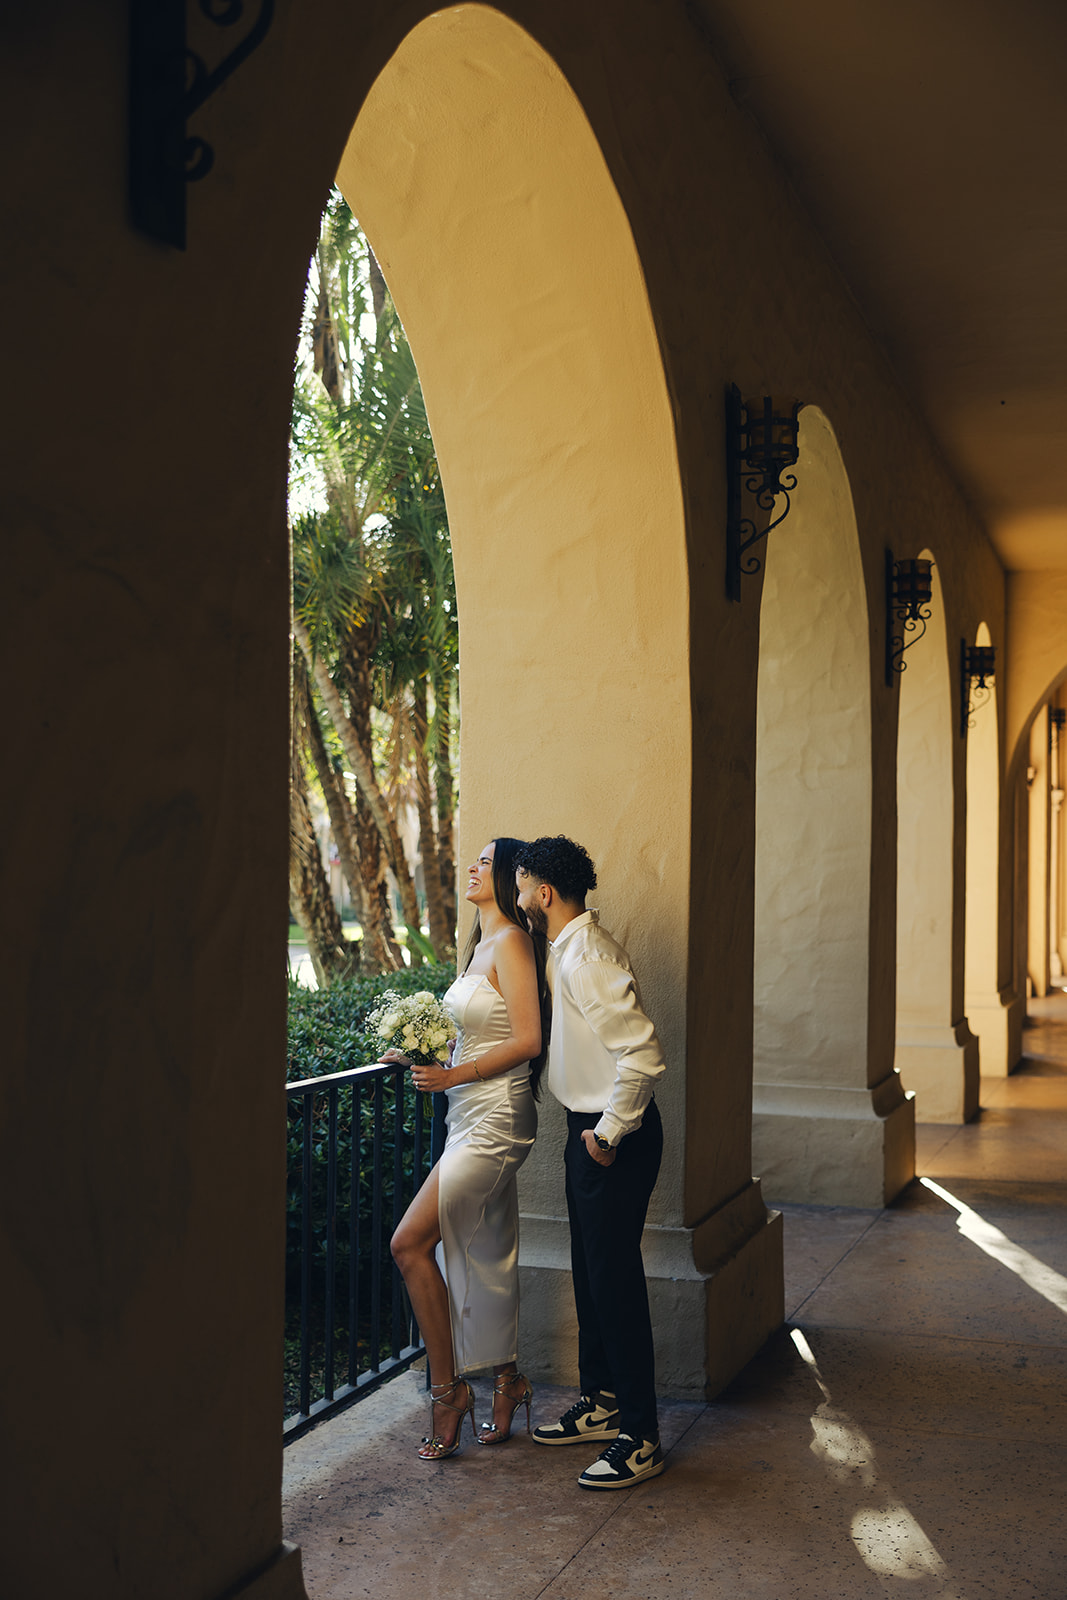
column 592, row 1437
column 623, row 1483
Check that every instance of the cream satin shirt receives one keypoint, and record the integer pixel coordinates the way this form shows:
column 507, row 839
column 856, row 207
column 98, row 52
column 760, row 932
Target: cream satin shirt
column 603, row 1054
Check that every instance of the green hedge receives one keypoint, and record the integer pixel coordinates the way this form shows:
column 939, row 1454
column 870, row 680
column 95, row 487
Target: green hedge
column 326, row 1025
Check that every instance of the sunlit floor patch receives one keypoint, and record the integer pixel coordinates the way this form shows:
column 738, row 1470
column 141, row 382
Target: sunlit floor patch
column 1034, row 1273
column 884, row 1532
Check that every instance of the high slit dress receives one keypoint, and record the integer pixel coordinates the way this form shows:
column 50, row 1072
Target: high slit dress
column 491, row 1129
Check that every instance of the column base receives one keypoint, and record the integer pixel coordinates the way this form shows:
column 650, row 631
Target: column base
column 941, row 1066
column 827, row 1146
column 708, row 1319
column 281, row 1579
column 997, row 1019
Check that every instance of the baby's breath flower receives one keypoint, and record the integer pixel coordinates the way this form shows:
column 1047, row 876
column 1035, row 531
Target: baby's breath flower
column 416, row 1024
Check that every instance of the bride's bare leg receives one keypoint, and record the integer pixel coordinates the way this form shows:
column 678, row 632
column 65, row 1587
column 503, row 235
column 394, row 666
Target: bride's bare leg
column 413, row 1246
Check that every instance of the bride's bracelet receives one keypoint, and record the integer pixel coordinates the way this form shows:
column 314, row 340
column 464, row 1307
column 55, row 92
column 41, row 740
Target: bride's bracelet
column 477, row 1074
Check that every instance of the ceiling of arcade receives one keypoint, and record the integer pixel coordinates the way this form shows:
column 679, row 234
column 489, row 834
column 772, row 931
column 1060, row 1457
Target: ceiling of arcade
column 926, row 138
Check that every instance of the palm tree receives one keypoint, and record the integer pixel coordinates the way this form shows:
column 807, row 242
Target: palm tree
column 371, row 555
column 418, row 668
column 310, row 900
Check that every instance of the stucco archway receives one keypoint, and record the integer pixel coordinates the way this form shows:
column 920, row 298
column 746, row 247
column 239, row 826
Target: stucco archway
column 936, row 1055
column 1041, row 846
column 822, row 1132
column 990, row 1013
column 480, row 184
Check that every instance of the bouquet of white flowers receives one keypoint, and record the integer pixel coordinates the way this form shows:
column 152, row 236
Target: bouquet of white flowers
column 417, row 1024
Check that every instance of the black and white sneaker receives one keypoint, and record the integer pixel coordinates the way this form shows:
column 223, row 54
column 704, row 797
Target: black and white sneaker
column 622, row 1463
column 594, row 1416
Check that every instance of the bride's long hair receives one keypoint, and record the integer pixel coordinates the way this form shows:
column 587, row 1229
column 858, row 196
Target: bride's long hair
column 506, row 896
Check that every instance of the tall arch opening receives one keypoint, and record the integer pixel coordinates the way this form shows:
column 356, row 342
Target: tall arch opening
column 819, row 1133
column 1044, row 863
column 988, row 1003
column 485, row 195
column 1038, row 926
column 937, row 1055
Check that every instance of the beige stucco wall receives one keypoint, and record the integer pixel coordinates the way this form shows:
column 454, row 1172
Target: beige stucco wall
column 817, row 1134
column 925, row 819
column 1036, row 606
column 479, row 182
column 991, row 1005
column 813, row 783
column 937, row 1055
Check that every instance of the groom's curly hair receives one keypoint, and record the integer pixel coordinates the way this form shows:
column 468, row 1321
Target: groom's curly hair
column 561, row 863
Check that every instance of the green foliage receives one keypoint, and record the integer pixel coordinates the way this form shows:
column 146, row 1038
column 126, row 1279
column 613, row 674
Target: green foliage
column 373, row 580
column 326, row 1031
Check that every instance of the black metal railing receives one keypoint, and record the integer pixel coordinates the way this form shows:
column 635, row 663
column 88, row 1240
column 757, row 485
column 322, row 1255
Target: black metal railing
column 358, row 1151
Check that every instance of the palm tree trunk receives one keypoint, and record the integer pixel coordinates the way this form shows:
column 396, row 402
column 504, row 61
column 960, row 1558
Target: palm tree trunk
column 363, row 769
column 441, row 935
column 446, row 847
column 384, row 950
column 376, row 955
column 342, row 823
column 310, row 899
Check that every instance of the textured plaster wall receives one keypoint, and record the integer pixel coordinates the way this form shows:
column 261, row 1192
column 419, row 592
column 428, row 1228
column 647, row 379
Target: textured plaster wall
column 499, row 229
column 813, row 784
column 1037, row 604
column 925, row 822
column 1039, row 802
column 981, row 974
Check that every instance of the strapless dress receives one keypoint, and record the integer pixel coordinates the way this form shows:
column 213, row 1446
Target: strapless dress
column 491, row 1130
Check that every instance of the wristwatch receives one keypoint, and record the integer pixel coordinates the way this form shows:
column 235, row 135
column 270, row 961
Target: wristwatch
column 602, row 1143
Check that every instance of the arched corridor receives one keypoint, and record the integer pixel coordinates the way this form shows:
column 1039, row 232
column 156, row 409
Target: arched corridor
column 615, row 224
column 904, row 1430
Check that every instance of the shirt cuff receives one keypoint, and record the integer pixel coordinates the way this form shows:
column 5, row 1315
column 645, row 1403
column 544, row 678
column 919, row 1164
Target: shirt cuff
column 610, row 1129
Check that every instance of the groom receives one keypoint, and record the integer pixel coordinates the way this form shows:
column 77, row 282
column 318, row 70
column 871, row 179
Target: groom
column 603, row 1062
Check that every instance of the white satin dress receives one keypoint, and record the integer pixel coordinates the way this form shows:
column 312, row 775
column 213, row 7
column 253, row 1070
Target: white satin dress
column 491, row 1129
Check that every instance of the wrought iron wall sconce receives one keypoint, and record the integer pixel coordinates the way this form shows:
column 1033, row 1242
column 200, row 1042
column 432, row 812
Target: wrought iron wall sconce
column 1058, row 717
column 909, row 589
column 977, row 662
column 762, row 441
column 168, row 82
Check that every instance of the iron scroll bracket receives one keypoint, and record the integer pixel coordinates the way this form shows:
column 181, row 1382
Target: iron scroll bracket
column 761, row 442
column 169, row 82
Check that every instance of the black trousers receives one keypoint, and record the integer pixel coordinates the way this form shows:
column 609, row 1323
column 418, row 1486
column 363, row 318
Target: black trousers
column 607, row 1207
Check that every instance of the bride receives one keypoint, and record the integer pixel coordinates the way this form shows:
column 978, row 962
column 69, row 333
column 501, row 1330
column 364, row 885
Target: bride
column 469, row 1317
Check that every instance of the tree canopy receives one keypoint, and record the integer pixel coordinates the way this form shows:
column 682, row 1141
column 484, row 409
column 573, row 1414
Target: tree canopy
column 374, row 616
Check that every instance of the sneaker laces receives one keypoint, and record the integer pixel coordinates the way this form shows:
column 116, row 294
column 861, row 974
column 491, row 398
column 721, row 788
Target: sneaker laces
column 617, row 1451
column 585, row 1403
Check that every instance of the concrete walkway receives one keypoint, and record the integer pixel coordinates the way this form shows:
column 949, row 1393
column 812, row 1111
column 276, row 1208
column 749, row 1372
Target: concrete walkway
column 904, row 1434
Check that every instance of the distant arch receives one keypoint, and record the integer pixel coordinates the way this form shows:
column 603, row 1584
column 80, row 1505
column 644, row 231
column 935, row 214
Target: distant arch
column 985, row 1004
column 936, row 1053
column 813, row 831
column 1019, row 756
